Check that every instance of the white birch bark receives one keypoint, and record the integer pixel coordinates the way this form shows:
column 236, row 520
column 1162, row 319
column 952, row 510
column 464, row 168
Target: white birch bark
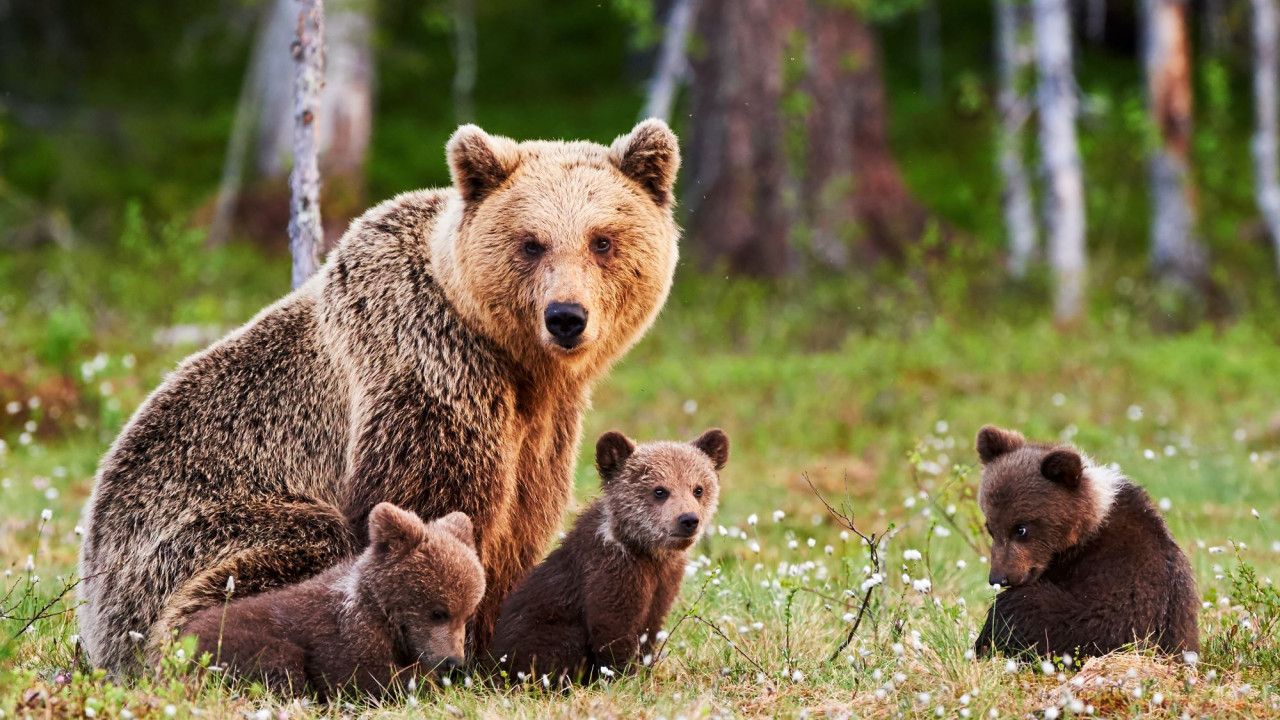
column 346, row 109
column 1064, row 183
column 672, row 66
column 1012, row 58
column 305, row 230
column 1265, row 150
column 1176, row 253
column 464, row 50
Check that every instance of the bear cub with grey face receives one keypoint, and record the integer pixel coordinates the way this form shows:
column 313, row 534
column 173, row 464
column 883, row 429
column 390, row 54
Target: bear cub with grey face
column 398, row 609
column 1086, row 559
column 599, row 600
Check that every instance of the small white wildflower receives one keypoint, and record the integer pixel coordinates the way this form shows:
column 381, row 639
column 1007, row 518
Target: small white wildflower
column 924, row 698
column 1190, row 657
column 1076, row 706
column 30, row 564
column 1058, row 399
column 909, row 555
column 752, row 519
column 1254, row 512
column 827, row 549
column 797, row 676
column 170, row 710
column 940, row 427
column 1134, row 413
column 1149, row 454
column 1166, row 504
column 89, row 712
column 941, row 531
column 897, row 649
column 909, row 502
column 848, row 617
column 46, row 514
column 1157, row 699
column 24, row 438
column 844, row 536
column 607, row 671
column 1011, row 666
column 1046, row 667
column 13, row 407
column 79, row 531
column 968, row 655
column 690, row 407
column 1051, row 713
column 231, row 584
column 792, row 544
column 136, row 636
column 127, row 714
column 754, row 546
column 661, row 636
column 1240, row 435
column 923, row 585
column 993, row 713
column 778, row 515
column 1170, row 451
column 262, row 714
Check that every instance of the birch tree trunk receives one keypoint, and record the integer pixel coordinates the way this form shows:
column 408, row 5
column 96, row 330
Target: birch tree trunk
column 1265, row 150
column 672, row 65
column 464, row 51
column 1176, row 253
column 305, row 231
column 1064, row 183
column 1013, row 57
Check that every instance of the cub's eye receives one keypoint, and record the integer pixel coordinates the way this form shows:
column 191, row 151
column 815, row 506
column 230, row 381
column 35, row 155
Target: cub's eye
column 601, row 244
column 1020, row 531
column 697, row 492
column 439, row 616
column 660, row 493
column 533, row 248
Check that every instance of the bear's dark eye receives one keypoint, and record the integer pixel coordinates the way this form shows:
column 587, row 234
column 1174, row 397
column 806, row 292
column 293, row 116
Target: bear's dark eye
column 532, row 248
column 697, row 492
column 660, row 493
column 1020, row 532
column 601, row 244
column 439, row 616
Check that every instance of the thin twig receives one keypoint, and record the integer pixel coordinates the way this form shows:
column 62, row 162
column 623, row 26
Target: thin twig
column 716, row 629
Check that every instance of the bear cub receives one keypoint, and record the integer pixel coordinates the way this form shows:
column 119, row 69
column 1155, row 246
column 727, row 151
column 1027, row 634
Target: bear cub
column 1086, row 560
column 398, row 609
column 599, row 600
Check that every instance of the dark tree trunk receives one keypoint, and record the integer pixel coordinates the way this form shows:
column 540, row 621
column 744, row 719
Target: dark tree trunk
column 789, row 157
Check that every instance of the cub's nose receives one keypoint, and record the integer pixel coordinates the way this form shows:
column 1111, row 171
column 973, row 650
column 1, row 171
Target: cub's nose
column 565, row 322
column 997, row 579
column 688, row 523
column 450, row 665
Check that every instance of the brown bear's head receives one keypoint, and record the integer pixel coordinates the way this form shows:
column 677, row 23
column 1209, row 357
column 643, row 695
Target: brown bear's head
column 425, row 579
column 560, row 251
column 1039, row 500
column 660, row 495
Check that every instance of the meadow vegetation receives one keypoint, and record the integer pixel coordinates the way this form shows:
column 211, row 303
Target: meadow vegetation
column 864, row 394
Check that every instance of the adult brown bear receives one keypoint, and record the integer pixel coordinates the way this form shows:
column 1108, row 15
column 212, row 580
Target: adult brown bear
column 441, row 360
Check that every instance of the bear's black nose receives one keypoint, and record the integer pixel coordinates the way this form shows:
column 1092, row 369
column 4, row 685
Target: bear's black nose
column 688, row 522
column 997, row 579
column 450, row 665
column 565, row 322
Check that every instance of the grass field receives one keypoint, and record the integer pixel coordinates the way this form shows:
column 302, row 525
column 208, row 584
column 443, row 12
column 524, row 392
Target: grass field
column 875, row 408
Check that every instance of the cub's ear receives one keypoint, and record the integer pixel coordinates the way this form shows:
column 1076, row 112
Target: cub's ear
column 1063, row 466
column 392, row 530
column 480, row 162
column 458, row 524
column 715, row 445
column 612, row 450
column 994, row 442
column 650, row 155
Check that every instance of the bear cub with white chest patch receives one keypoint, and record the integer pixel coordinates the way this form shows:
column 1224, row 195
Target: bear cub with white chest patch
column 1085, row 558
column 599, row 600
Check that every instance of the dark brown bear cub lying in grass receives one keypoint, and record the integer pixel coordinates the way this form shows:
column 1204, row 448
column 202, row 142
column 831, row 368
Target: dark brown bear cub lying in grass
column 1088, row 562
column 599, row 600
column 398, row 609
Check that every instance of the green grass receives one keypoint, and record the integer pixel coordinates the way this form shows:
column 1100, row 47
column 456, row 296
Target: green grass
column 871, row 392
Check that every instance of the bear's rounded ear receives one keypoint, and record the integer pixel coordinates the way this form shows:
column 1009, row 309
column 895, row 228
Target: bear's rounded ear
column 612, row 450
column 480, row 162
column 1063, row 466
column 994, row 442
column 650, row 155
column 392, row 530
column 714, row 443
column 458, row 524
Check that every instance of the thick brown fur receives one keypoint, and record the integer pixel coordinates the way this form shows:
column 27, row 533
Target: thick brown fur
column 399, row 609
column 600, row 599
column 415, row 368
column 1090, row 565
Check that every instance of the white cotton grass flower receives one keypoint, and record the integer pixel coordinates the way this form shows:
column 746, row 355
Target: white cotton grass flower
column 46, row 514
column 262, row 714
column 606, row 671
column 922, row 586
column 170, row 710
column 754, row 546
column 1134, row 413
column 753, row 519
column 778, row 515
column 1051, row 713
column 231, row 584
column 30, row 564
column 1165, row 504
column 1190, row 657
column 797, row 676
column 909, row 555
column 1149, row 454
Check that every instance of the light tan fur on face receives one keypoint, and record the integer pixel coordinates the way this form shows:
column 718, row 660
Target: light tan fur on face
column 561, row 197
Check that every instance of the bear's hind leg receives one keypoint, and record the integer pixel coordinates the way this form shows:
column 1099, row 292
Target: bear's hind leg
column 265, row 545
